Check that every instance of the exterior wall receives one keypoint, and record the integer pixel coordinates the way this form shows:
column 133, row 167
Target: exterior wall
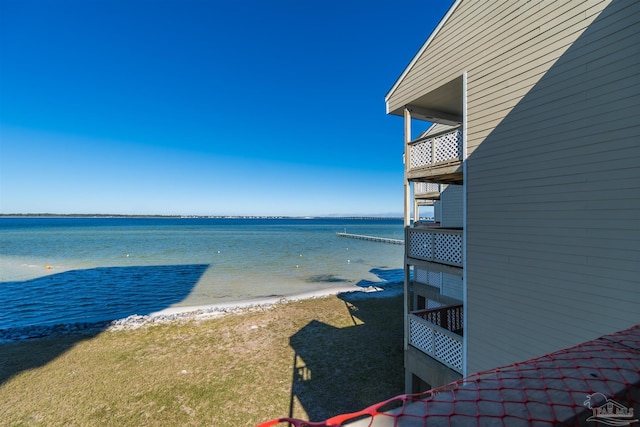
column 451, row 203
column 452, row 286
column 553, row 176
column 437, row 211
column 446, row 285
column 553, row 203
column 505, row 46
column 436, row 128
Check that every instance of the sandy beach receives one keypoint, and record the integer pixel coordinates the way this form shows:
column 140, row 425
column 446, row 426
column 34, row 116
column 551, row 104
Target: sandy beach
column 171, row 314
column 213, row 309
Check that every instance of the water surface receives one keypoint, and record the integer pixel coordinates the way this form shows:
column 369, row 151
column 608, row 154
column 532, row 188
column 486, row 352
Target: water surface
column 62, row 270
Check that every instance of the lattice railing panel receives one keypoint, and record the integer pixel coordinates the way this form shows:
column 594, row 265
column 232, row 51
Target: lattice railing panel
column 421, row 276
column 433, row 244
column 420, row 245
column 448, row 146
column 425, row 188
column 421, row 336
column 420, row 154
column 431, row 150
column 446, row 347
column 448, row 248
column 433, row 304
column 428, row 277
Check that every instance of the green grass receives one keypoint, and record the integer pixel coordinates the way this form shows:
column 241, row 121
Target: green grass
column 309, row 359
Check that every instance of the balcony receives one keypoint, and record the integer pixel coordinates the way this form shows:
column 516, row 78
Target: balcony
column 427, row 190
column 436, row 158
column 436, row 245
column 438, row 333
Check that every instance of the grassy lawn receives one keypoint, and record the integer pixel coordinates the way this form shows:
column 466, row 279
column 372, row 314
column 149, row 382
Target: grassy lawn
column 309, row 359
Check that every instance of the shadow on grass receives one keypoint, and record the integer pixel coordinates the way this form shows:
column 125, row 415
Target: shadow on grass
column 341, row 370
column 46, row 307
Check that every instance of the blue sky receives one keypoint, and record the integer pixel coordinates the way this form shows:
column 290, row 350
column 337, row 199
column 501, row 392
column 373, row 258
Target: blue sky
column 204, row 107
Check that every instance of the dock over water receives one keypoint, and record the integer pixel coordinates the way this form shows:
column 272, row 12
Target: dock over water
column 371, row 238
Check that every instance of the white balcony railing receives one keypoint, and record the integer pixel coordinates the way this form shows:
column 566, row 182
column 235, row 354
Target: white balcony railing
column 431, row 278
column 432, row 332
column 424, row 188
column 432, row 150
column 439, row 245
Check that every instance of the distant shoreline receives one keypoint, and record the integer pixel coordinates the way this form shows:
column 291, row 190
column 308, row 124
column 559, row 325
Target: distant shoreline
column 51, row 215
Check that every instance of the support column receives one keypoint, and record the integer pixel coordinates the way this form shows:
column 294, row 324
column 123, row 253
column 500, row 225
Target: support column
column 407, row 162
column 407, row 223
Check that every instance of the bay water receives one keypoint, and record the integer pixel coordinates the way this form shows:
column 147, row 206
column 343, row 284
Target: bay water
column 57, row 270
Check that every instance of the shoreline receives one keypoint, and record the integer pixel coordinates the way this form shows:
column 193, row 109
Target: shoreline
column 197, row 312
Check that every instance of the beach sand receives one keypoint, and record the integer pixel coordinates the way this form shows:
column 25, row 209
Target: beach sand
column 170, row 314
column 242, row 306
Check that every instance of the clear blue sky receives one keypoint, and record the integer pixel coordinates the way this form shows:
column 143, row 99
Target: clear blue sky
column 204, row 107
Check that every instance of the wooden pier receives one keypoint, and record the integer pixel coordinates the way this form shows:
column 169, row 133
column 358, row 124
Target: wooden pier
column 371, row 238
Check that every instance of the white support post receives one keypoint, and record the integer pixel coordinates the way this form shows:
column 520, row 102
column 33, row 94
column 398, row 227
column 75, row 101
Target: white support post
column 465, row 279
column 407, row 162
column 407, row 223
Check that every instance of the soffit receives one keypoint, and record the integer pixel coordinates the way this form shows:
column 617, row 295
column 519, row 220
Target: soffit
column 441, row 98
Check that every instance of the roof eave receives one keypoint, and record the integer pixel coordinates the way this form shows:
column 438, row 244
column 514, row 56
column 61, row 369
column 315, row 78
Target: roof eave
column 420, row 52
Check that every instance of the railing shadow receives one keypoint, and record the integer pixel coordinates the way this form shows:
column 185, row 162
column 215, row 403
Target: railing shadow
column 49, row 306
column 343, row 369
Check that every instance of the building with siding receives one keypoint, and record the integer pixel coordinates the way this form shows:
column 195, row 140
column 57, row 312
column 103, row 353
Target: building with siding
column 533, row 165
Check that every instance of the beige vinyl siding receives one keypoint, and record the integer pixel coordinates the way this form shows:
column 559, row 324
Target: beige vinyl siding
column 482, row 114
column 436, row 128
column 553, row 175
column 437, row 211
column 452, row 286
column 486, row 37
column 435, row 67
column 498, row 84
column 553, row 189
column 451, row 205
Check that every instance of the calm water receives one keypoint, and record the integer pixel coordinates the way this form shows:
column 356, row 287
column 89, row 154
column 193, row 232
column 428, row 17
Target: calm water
column 65, row 270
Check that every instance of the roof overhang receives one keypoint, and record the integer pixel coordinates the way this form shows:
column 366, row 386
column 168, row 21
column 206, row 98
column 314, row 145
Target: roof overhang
column 442, row 105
